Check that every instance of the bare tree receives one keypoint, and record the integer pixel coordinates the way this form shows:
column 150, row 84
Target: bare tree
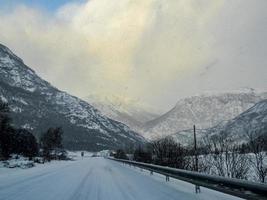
column 169, row 153
column 224, row 158
column 257, row 144
column 238, row 164
column 218, row 147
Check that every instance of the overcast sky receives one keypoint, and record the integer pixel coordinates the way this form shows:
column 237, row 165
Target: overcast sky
column 153, row 51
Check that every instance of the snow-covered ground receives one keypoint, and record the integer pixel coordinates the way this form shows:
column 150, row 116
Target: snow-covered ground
column 77, row 154
column 17, row 161
column 94, row 178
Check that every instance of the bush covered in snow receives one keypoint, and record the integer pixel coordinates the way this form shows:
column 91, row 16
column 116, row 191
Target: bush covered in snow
column 17, row 161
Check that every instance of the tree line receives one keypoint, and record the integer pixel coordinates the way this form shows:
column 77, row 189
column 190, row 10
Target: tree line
column 23, row 142
column 217, row 155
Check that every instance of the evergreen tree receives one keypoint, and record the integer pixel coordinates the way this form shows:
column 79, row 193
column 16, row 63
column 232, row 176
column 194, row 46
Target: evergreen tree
column 120, row 154
column 6, row 131
column 25, row 143
column 51, row 141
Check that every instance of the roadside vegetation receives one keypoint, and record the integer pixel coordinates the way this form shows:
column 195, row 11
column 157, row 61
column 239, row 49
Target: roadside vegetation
column 216, row 156
column 16, row 143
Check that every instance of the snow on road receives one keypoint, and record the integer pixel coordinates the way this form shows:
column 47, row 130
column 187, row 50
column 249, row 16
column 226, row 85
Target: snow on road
column 94, row 179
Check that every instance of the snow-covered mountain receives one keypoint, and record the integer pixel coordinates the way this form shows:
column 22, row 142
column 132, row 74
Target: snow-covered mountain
column 186, row 137
column 128, row 111
column 252, row 121
column 204, row 111
column 37, row 105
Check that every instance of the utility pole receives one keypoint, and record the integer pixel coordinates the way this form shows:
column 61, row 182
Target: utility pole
column 195, row 148
column 196, row 157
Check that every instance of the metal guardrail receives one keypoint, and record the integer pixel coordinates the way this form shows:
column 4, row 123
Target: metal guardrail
column 235, row 187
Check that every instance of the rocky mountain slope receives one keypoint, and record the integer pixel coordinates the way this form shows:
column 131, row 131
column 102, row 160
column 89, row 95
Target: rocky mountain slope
column 204, row 111
column 130, row 112
column 37, row 105
column 251, row 122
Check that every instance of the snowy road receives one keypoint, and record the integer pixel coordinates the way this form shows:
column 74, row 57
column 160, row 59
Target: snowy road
column 94, row 179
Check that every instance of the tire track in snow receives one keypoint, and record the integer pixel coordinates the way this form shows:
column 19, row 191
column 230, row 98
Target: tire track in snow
column 78, row 191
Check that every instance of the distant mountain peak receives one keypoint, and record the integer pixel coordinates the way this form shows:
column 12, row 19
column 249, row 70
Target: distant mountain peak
column 205, row 111
column 128, row 111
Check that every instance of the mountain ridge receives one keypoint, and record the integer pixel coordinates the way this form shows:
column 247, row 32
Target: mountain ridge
column 36, row 105
column 204, row 111
column 130, row 112
column 252, row 122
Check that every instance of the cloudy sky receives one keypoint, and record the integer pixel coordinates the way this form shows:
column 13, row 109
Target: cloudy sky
column 151, row 51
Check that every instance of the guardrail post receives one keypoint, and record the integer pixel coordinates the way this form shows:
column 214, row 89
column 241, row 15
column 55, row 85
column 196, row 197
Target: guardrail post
column 167, row 178
column 197, row 188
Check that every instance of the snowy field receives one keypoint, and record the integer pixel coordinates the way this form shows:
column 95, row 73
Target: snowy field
column 94, row 178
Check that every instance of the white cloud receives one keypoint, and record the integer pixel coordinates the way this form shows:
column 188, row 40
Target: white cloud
column 152, row 50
